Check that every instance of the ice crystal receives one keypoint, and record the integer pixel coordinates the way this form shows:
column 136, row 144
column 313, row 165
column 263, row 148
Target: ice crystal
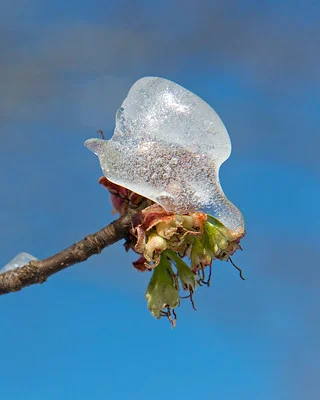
column 18, row 261
column 168, row 146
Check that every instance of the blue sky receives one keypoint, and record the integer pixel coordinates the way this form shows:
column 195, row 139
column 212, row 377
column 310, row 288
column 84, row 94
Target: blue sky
column 64, row 70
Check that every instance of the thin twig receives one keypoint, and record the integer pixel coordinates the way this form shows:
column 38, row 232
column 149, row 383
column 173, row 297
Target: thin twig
column 38, row 271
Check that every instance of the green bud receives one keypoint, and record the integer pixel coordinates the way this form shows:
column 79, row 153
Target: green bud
column 219, row 240
column 162, row 290
column 199, row 256
column 187, row 277
column 210, row 248
column 210, row 239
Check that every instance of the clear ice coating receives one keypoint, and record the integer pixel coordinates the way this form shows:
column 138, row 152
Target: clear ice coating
column 18, row 261
column 168, row 146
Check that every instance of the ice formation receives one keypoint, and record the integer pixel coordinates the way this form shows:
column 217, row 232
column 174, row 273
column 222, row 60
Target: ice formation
column 18, row 261
column 168, row 146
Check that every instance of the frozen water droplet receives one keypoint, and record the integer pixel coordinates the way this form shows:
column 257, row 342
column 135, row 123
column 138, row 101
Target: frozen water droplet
column 18, row 261
column 168, row 146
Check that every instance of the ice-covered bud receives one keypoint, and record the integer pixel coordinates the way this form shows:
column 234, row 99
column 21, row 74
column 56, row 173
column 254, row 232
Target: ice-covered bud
column 219, row 240
column 194, row 221
column 121, row 198
column 162, row 291
column 164, row 157
column 168, row 146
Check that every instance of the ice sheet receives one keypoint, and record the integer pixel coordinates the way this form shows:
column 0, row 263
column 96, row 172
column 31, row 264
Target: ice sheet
column 168, row 146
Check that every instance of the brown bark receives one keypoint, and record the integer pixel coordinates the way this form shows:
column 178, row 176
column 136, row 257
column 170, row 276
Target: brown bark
column 39, row 271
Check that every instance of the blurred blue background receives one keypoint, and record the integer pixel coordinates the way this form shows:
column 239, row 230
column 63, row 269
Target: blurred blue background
column 86, row 333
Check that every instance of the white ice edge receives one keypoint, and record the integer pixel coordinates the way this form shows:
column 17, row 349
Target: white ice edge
column 18, row 261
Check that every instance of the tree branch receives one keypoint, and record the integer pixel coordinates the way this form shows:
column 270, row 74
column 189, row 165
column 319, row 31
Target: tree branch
column 39, row 271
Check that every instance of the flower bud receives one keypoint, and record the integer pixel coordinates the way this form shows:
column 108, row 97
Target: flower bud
column 187, row 277
column 166, row 229
column 199, row 257
column 220, row 240
column 162, row 290
column 154, row 247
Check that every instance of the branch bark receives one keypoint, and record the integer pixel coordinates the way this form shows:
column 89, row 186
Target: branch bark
column 38, row 271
